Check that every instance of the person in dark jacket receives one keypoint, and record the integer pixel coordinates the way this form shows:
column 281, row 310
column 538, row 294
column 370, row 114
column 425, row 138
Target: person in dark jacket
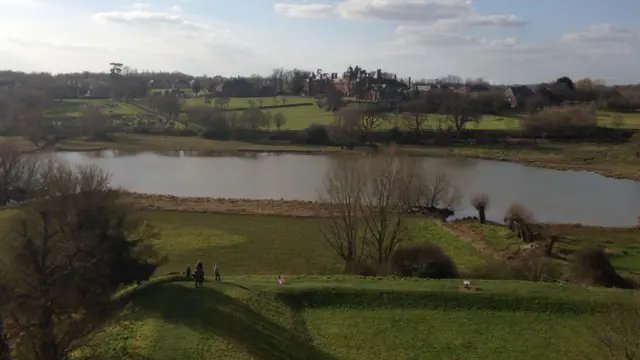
column 188, row 272
column 199, row 274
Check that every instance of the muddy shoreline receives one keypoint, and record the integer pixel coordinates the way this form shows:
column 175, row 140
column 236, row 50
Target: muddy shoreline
column 156, row 202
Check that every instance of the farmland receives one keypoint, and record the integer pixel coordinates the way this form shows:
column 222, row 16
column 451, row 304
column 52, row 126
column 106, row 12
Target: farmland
column 300, row 117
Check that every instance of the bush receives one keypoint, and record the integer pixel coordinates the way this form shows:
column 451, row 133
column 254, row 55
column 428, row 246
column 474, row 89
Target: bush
column 592, row 267
column 563, row 121
column 315, row 134
column 532, row 265
column 424, row 261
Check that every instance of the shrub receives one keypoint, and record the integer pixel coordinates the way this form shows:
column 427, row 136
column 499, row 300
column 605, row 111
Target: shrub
column 532, row 265
column 315, row 134
column 564, row 120
column 424, row 261
column 592, row 267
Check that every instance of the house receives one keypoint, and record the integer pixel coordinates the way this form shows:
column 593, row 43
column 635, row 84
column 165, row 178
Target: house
column 518, row 94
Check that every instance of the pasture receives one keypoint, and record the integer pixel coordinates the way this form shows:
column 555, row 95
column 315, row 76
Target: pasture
column 327, row 316
column 298, row 118
column 342, row 317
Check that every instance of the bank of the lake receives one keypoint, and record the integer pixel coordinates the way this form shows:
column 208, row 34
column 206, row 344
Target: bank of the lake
column 611, row 160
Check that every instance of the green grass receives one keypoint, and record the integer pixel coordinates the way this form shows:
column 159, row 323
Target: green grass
column 354, row 318
column 329, row 317
column 463, row 254
column 243, row 244
column 622, row 245
column 244, row 102
column 246, row 244
column 75, row 107
column 445, row 334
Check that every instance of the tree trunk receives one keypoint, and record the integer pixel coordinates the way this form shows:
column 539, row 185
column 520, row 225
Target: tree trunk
column 5, row 353
column 48, row 345
column 483, row 217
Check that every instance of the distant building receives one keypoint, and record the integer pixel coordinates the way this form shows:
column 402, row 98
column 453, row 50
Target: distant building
column 516, row 95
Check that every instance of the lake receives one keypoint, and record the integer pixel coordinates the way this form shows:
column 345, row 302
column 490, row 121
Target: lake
column 552, row 196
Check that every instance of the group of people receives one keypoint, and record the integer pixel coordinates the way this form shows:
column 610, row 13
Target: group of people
column 198, row 274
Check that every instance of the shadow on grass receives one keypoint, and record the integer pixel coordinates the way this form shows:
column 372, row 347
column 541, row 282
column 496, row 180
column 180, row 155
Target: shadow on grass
column 235, row 285
column 211, row 311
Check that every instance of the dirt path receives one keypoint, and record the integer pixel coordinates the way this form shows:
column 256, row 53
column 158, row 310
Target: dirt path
column 229, row 206
column 476, row 240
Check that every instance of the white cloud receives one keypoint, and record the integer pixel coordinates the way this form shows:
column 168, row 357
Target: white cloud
column 136, row 17
column 603, row 33
column 140, row 36
column 141, row 6
column 305, row 10
column 443, row 13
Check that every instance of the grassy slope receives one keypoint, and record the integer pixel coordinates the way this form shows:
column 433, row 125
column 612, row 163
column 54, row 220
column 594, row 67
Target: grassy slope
column 245, row 244
column 347, row 318
column 622, row 245
column 337, row 317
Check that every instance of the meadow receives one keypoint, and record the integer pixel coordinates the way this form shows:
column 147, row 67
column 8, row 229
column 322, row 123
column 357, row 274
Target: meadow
column 622, row 245
column 343, row 317
column 300, row 117
column 333, row 316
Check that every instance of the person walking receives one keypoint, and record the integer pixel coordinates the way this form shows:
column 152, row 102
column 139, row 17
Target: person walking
column 188, row 271
column 216, row 272
column 199, row 274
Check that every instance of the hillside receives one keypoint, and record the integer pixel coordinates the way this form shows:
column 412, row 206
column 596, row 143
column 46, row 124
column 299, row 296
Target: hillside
column 354, row 318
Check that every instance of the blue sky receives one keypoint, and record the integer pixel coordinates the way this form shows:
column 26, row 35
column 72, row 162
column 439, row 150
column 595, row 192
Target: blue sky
column 503, row 41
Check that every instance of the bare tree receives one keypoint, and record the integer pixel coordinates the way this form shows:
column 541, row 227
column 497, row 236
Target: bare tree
column 389, row 186
column 435, row 191
column 518, row 218
column 481, row 202
column 368, row 201
column 344, row 229
column 614, row 333
column 19, row 174
column 415, row 116
column 345, row 129
column 92, row 122
column 279, row 120
column 459, row 110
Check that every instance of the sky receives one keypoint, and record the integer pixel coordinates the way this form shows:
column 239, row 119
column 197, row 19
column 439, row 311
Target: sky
column 502, row 41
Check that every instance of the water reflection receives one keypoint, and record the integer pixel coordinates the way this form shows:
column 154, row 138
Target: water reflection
column 576, row 197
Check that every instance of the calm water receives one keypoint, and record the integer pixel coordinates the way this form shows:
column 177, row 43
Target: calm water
column 555, row 196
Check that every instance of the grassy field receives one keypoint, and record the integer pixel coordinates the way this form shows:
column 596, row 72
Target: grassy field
column 249, row 316
column 245, row 102
column 301, row 117
column 75, row 107
column 354, row 318
column 622, row 245
column 613, row 160
column 244, row 244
